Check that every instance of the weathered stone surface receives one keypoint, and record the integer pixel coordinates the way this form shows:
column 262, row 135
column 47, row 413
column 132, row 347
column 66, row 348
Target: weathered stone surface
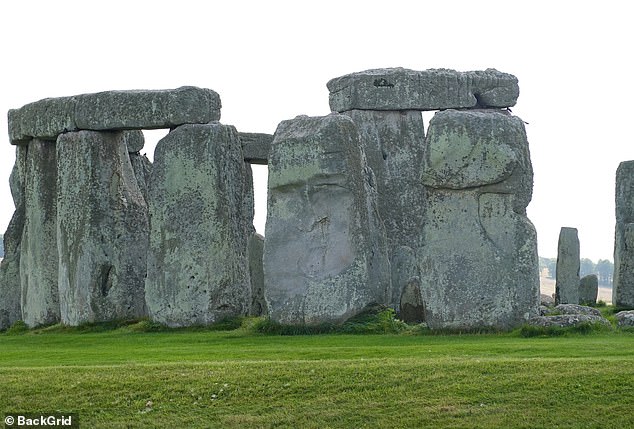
column 567, row 320
column 547, row 300
column 256, row 272
column 102, row 229
column 588, row 289
column 248, row 200
column 623, row 283
column 198, row 271
column 567, row 276
column 10, row 309
column 142, row 168
column 478, row 261
column 625, row 319
column 256, row 147
column 393, row 144
column 577, row 309
column 434, row 89
column 113, row 110
column 38, row 250
column 44, row 119
column 146, row 109
column 325, row 256
column 406, row 294
column 134, row 140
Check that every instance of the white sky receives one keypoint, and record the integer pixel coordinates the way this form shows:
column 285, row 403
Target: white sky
column 270, row 61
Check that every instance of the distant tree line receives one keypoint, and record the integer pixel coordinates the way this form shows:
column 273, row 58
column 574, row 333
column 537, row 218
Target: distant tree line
column 604, row 269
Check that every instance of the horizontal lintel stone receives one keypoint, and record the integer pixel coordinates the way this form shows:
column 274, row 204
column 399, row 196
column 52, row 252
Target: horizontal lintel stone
column 256, row 147
column 113, row 110
column 433, row 89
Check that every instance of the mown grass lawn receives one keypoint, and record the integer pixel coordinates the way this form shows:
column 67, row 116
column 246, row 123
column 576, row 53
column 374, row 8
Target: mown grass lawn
column 237, row 379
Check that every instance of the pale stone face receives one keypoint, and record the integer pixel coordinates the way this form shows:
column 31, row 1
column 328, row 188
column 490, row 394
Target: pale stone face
column 323, row 258
column 317, row 239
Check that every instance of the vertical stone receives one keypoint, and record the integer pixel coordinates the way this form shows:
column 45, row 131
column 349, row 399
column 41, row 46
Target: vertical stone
column 623, row 282
column 102, row 229
column 567, row 276
column 325, row 256
column 588, row 289
column 478, row 261
column 38, row 255
column 10, row 308
column 256, row 272
column 393, row 143
column 198, row 270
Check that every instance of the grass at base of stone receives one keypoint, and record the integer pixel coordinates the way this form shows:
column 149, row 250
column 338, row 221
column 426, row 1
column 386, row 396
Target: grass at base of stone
column 235, row 379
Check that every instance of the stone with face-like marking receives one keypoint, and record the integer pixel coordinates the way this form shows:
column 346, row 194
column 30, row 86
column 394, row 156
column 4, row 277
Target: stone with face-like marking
column 325, row 256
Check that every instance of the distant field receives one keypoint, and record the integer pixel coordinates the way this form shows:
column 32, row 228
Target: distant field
column 236, row 379
column 547, row 287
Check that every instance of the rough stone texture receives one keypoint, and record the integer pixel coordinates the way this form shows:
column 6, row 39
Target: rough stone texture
column 623, row 284
column 434, row 89
column 256, row 272
column 577, row 309
column 325, row 256
column 10, row 309
column 406, row 294
column 567, row 276
column 198, row 271
column 102, row 223
column 567, row 320
column 625, row 319
column 588, row 289
column 256, row 147
column 546, row 300
column 142, row 168
column 393, row 144
column 248, row 200
column 44, row 119
column 478, row 261
column 134, row 140
column 38, row 250
column 113, row 110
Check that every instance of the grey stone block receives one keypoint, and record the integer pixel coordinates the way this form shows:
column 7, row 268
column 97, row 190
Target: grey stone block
column 198, row 269
column 434, row 89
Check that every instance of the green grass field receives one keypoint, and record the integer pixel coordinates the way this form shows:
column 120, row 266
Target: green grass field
column 238, row 379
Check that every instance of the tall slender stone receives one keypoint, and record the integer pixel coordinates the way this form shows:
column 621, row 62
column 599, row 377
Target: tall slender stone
column 38, row 253
column 325, row 256
column 568, row 261
column 10, row 308
column 478, row 262
column 198, row 271
column 623, row 282
column 102, row 229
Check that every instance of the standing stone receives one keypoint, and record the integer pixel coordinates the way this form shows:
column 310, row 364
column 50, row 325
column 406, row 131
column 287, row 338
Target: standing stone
column 478, row 261
column 256, row 272
column 623, row 284
column 567, row 276
column 102, row 226
column 393, row 144
column 10, row 309
column 198, row 271
column 325, row 256
column 588, row 289
column 38, row 255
